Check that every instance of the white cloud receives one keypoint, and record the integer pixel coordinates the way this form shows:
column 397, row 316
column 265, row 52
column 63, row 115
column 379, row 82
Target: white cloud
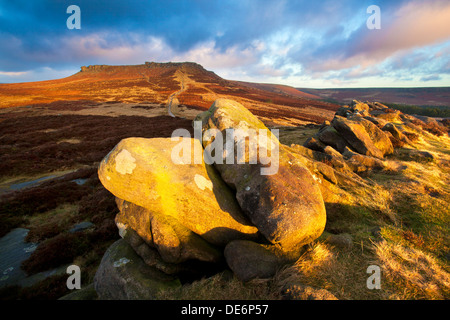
column 13, row 74
column 40, row 74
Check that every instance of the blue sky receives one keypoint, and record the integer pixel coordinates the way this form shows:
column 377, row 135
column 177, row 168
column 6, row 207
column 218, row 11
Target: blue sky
column 317, row 44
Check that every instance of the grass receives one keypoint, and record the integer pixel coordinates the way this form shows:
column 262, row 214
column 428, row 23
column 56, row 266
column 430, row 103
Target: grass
column 51, row 223
column 17, row 207
column 411, row 273
column 223, row 286
column 51, row 288
column 41, row 144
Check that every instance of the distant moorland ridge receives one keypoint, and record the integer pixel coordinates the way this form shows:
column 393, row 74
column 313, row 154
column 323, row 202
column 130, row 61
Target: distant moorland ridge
column 152, row 82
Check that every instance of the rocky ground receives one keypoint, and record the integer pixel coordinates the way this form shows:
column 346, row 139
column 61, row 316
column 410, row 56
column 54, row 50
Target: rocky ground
column 369, row 187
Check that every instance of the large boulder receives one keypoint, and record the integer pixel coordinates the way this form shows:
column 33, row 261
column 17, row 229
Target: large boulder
column 174, row 242
column 330, row 137
column 361, row 163
column 153, row 174
column 397, row 138
column 122, row 275
column 360, row 108
column 356, row 135
column 315, row 144
column 277, row 192
column 379, row 138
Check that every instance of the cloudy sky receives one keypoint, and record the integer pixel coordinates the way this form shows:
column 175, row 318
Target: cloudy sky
column 317, row 44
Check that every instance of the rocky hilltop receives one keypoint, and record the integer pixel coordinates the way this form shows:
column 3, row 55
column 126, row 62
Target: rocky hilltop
column 191, row 219
column 146, row 65
column 187, row 83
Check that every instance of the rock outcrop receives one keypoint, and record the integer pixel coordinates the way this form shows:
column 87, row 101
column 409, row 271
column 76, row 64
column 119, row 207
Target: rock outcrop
column 285, row 205
column 363, row 134
column 182, row 205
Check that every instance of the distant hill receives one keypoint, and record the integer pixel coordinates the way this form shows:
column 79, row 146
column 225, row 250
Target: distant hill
column 186, row 83
column 437, row 96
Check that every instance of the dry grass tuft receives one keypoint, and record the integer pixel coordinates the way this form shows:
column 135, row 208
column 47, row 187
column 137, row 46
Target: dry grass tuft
column 318, row 260
column 343, row 274
column 412, row 273
column 222, row 286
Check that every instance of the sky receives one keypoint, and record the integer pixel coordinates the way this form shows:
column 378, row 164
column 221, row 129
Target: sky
column 310, row 44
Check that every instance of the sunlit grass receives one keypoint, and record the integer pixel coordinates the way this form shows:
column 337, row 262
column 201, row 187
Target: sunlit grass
column 412, row 273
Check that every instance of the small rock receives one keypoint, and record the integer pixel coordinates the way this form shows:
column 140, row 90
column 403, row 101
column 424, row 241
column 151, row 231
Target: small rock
column 376, row 232
column 342, row 241
column 81, row 226
column 249, row 260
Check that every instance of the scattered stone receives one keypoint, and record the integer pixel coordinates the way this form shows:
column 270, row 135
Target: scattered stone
column 387, row 115
column 361, row 163
column 342, row 241
column 418, row 155
column 332, row 152
column 360, row 108
column 343, row 112
column 397, row 134
column 377, row 105
column 314, row 144
column 82, row 226
column 379, row 138
column 380, row 123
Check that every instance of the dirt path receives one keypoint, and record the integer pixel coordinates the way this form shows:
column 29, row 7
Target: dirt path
column 182, row 79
